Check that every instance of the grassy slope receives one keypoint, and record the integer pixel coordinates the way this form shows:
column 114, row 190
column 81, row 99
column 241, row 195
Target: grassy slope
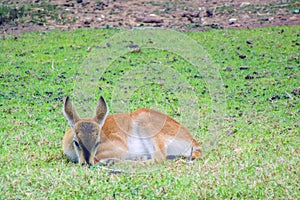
column 256, row 157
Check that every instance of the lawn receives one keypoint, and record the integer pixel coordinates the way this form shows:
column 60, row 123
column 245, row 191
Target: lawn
column 236, row 90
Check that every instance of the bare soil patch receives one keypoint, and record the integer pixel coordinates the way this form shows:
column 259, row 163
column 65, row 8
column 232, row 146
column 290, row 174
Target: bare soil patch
column 29, row 15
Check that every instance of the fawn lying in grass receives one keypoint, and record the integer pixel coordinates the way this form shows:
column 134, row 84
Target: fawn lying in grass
column 142, row 135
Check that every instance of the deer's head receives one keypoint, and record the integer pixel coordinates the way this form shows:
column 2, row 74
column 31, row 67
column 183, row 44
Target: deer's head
column 86, row 131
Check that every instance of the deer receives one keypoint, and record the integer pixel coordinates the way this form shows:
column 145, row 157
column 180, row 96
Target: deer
column 142, row 135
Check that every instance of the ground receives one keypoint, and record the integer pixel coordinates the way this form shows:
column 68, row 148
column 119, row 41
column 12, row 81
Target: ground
column 29, row 15
column 249, row 133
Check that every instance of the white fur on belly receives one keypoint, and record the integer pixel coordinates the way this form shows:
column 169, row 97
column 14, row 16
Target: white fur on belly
column 140, row 144
column 178, row 147
column 140, row 148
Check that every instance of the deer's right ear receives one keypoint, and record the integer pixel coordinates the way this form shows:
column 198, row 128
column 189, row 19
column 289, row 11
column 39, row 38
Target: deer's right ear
column 101, row 111
column 70, row 112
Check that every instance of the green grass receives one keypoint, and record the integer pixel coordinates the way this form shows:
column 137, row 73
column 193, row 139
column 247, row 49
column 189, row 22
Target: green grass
column 257, row 154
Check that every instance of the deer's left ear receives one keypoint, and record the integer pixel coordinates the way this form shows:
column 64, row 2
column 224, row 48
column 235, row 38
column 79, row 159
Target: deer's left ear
column 101, row 111
column 70, row 112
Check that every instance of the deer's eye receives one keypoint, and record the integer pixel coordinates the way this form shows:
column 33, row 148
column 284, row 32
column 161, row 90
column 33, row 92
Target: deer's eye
column 76, row 143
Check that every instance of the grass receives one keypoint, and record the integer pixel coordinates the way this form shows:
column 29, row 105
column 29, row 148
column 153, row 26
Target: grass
column 257, row 154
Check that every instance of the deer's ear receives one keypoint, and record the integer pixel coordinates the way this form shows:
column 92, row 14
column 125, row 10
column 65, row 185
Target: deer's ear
column 70, row 112
column 101, row 111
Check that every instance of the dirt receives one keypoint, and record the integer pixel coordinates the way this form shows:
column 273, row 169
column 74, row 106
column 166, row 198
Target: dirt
column 179, row 15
